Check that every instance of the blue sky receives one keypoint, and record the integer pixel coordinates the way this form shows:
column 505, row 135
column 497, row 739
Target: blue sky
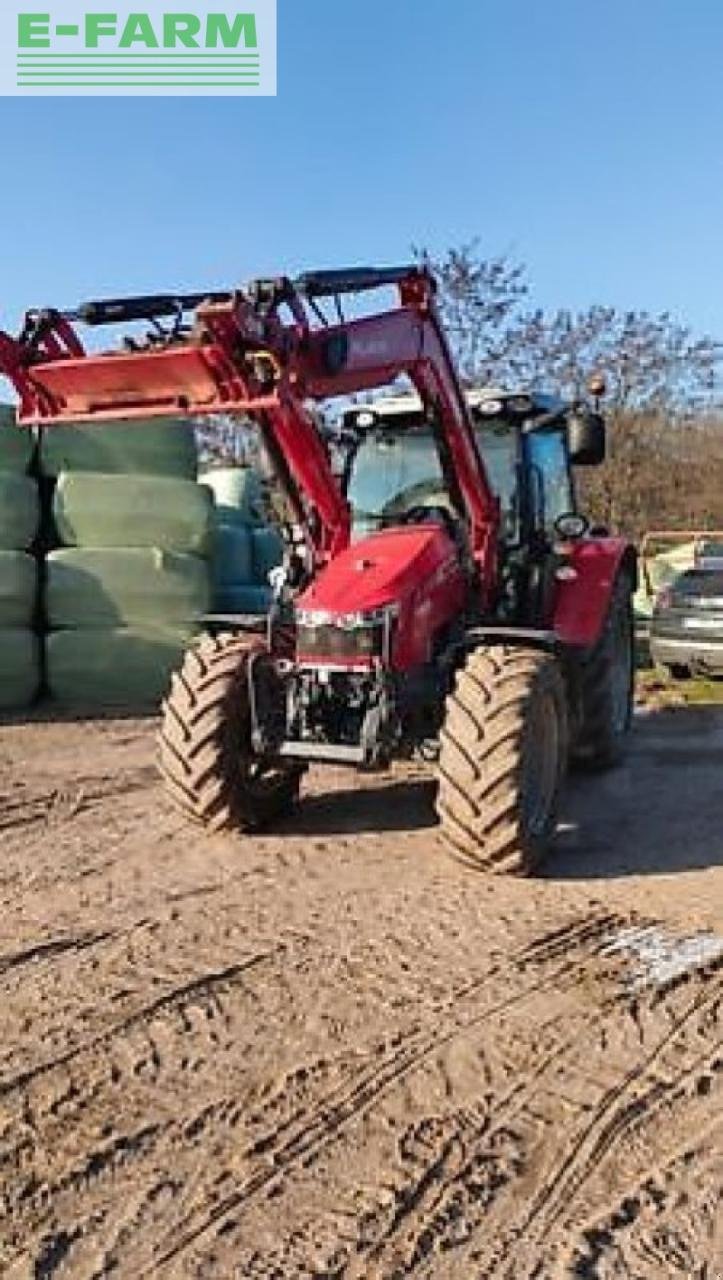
column 584, row 139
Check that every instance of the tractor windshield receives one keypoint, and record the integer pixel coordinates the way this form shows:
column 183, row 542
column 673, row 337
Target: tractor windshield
column 395, row 471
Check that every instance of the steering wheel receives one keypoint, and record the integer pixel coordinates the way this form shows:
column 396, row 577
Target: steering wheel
column 432, row 514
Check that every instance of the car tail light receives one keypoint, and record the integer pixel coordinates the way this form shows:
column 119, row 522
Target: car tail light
column 664, row 598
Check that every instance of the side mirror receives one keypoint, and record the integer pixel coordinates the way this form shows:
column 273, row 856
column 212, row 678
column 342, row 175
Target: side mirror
column 586, row 436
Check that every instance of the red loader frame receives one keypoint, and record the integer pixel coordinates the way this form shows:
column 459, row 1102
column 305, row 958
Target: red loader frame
column 263, row 352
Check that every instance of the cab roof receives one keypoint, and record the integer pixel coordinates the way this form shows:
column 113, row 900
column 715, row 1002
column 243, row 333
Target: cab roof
column 522, row 403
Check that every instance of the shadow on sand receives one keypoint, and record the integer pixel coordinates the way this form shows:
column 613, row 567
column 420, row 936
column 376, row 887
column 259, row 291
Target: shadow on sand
column 389, row 806
column 658, row 813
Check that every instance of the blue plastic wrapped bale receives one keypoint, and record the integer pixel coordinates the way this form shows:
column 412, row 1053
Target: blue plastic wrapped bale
column 237, row 491
column 114, row 669
column 233, row 558
column 154, row 447
column 244, row 600
column 96, row 510
column 17, row 444
column 268, row 551
column 18, row 589
column 19, row 511
column 119, row 587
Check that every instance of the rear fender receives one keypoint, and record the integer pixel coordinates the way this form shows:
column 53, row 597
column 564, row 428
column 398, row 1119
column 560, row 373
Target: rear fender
column 583, row 596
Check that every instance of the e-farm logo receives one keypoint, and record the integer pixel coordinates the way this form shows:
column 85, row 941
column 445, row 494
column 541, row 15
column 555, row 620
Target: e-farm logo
column 162, row 49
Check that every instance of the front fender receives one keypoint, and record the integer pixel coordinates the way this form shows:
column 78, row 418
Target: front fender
column 583, row 593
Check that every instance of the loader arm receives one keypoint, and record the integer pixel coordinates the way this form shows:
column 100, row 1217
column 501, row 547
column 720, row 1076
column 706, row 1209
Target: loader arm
column 263, row 352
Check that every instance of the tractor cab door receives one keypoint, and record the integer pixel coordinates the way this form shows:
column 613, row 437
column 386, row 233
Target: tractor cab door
column 550, row 493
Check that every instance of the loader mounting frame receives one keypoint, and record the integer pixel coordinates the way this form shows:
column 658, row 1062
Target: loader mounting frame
column 264, row 352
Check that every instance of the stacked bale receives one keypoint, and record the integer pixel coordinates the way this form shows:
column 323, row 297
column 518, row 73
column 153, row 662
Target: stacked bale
column 247, row 548
column 150, row 447
column 19, row 520
column 127, row 591
column 662, row 570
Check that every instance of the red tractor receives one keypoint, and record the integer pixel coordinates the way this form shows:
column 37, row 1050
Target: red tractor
column 440, row 593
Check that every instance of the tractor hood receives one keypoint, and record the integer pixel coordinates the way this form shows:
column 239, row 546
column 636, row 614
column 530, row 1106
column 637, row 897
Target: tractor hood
column 385, row 568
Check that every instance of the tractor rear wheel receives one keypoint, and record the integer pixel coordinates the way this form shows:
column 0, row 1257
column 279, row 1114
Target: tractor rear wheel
column 206, row 754
column 607, row 685
column 503, row 758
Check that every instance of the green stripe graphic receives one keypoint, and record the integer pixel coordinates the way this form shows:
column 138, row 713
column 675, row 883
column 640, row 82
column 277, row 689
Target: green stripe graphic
column 135, row 84
column 141, row 79
column 111, row 68
column 158, row 69
column 128, row 57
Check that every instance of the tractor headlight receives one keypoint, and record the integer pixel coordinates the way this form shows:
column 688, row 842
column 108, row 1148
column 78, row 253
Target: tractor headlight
column 365, row 634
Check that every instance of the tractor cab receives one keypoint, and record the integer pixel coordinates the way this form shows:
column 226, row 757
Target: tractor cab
column 395, row 469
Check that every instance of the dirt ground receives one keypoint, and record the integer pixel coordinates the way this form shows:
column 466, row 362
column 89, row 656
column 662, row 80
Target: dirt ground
column 335, row 1052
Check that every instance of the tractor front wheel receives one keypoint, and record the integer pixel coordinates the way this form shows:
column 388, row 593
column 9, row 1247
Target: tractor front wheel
column 503, row 758
column 207, row 758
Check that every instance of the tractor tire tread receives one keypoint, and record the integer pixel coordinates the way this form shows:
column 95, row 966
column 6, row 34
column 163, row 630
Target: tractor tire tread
column 481, row 746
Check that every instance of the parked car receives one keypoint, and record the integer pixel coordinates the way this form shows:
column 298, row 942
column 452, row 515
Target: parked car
column 686, row 633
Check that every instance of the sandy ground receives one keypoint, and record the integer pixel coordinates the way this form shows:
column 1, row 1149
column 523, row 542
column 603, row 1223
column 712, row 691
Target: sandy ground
column 333, row 1051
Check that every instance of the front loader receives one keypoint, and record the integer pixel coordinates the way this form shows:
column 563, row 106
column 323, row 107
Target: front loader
column 440, row 593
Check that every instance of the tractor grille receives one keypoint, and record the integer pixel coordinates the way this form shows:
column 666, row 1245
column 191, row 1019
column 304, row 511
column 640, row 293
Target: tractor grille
column 339, row 642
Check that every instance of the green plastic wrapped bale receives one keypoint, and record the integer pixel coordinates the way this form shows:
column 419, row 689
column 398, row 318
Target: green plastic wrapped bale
column 268, row 550
column 17, row 444
column 156, row 447
column 95, row 510
column 19, row 668
column 237, row 491
column 19, row 511
column 232, row 559
column 248, row 600
column 18, row 589
column 116, row 587
column 124, row 669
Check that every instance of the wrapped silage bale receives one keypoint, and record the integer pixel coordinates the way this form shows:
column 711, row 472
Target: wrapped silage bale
column 129, row 590
column 158, row 447
column 236, row 589
column 18, row 589
column 248, row 600
column 17, row 444
column 660, row 572
column 19, row 517
column 101, row 587
column 19, row 646
column 19, row 511
column 238, row 495
column 267, row 552
column 233, row 556
column 246, row 546
column 96, row 510
column 119, row 668
column 19, row 668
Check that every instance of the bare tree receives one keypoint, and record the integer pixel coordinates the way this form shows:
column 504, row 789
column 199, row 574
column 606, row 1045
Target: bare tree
column 649, row 361
column 665, row 460
column 479, row 299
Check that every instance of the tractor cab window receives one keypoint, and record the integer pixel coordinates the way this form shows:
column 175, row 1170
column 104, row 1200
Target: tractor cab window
column 552, row 490
column 392, row 473
column 498, row 445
